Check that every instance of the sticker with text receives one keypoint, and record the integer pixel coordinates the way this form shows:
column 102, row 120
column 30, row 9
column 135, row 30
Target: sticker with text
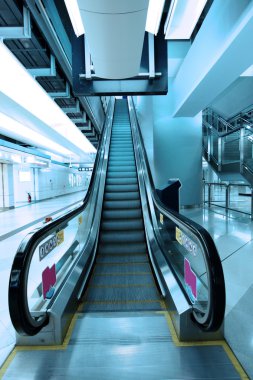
column 186, row 242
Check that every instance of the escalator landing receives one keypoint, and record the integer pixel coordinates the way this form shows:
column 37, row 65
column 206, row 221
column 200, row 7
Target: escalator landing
column 122, row 345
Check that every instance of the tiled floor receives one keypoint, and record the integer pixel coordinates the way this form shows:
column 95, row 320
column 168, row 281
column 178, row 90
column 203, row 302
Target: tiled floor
column 233, row 236
column 14, row 226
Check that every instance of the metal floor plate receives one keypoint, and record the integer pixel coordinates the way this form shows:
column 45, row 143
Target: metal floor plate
column 107, row 346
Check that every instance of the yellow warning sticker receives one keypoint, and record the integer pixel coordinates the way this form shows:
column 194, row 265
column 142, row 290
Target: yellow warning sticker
column 80, row 220
column 60, row 237
column 179, row 235
column 161, row 218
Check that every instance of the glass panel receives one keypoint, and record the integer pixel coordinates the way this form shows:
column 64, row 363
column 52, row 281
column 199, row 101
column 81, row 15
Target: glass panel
column 51, row 261
column 205, row 137
column 248, row 150
column 231, row 146
column 214, row 145
column 185, row 255
column 240, row 198
column 218, row 194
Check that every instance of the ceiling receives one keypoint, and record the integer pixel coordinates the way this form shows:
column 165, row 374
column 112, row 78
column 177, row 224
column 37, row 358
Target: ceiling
column 39, row 56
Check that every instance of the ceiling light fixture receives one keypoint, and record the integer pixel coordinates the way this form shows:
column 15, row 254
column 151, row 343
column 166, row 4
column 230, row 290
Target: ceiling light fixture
column 18, row 85
column 75, row 16
column 182, row 18
column 19, row 131
column 155, row 11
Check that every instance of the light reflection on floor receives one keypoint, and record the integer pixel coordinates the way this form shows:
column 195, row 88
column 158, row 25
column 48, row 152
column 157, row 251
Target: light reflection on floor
column 9, row 222
column 233, row 235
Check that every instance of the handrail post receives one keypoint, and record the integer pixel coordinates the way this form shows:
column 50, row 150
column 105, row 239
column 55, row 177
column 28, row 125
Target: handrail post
column 227, row 197
column 251, row 208
column 219, row 153
column 241, row 147
column 209, row 133
column 209, row 195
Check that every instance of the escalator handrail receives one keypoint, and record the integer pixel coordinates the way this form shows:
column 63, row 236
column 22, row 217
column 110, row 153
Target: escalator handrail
column 20, row 315
column 216, row 279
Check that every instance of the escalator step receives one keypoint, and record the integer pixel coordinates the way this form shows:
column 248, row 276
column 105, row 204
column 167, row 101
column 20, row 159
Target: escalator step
column 121, row 295
column 120, row 155
column 119, row 162
column 131, row 248
column 122, row 225
column 119, row 188
column 108, row 259
column 122, row 175
column 120, row 150
column 121, row 181
column 121, row 196
column 126, row 160
column 121, row 204
column 123, row 281
column 126, row 237
column 122, row 169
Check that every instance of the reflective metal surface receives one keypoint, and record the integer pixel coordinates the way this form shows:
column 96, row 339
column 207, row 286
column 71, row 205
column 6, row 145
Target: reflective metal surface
column 122, row 346
column 170, row 240
column 71, row 270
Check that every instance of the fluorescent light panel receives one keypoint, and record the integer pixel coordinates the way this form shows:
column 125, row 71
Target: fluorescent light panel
column 21, row 87
column 75, row 16
column 19, row 131
column 155, row 11
column 182, row 18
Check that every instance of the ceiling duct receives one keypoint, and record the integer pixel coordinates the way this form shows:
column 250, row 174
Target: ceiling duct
column 115, row 32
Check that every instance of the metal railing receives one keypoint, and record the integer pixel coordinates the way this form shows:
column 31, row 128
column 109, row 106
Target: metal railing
column 228, row 147
column 221, row 194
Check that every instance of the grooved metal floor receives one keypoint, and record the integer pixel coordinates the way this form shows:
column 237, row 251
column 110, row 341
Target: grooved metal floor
column 112, row 346
column 122, row 279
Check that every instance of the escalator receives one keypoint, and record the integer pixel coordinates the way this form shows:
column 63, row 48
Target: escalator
column 128, row 264
column 122, row 278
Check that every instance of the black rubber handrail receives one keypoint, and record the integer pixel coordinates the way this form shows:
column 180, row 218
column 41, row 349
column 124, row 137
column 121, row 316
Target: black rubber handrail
column 216, row 279
column 23, row 321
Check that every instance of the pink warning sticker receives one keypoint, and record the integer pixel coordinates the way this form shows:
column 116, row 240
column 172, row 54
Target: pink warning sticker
column 48, row 281
column 190, row 278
